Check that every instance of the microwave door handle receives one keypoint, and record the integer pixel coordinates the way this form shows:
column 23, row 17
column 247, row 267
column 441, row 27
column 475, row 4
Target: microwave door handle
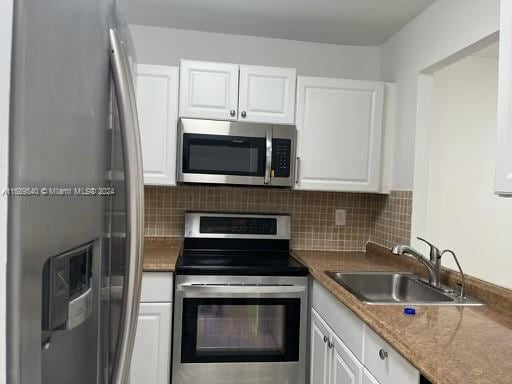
column 130, row 138
column 268, row 163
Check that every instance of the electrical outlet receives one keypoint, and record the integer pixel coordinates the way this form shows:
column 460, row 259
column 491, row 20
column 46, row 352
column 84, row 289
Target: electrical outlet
column 341, row 217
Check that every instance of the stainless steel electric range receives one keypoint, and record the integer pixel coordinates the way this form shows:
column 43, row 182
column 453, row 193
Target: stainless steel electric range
column 241, row 302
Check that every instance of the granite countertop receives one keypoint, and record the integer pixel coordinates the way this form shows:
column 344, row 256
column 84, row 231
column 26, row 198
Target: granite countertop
column 447, row 344
column 161, row 253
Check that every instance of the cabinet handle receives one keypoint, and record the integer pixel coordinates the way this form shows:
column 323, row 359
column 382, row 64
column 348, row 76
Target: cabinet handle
column 326, row 339
column 330, row 344
column 244, row 114
column 383, row 354
column 232, row 113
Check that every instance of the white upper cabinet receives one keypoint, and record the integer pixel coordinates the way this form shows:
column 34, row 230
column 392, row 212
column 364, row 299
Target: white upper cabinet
column 232, row 92
column 208, row 90
column 339, row 127
column 267, row 94
column 504, row 153
column 157, row 105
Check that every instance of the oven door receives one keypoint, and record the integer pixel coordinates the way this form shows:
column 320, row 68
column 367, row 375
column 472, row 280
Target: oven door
column 240, row 330
column 247, row 331
column 224, row 152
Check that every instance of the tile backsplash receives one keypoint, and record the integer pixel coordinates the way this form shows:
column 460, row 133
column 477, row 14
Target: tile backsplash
column 391, row 223
column 379, row 218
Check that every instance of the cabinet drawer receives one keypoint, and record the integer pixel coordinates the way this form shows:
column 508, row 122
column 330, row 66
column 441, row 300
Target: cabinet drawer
column 388, row 366
column 345, row 324
column 157, row 287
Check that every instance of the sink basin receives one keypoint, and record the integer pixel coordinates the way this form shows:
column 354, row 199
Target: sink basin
column 395, row 288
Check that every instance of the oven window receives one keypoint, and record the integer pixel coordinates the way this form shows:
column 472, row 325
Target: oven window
column 240, row 330
column 226, row 155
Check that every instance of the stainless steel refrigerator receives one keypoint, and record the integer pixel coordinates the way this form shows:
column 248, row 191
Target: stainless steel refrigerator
column 75, row 206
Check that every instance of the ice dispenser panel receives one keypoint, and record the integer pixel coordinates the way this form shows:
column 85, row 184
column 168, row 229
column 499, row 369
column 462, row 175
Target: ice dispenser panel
column 67, row 293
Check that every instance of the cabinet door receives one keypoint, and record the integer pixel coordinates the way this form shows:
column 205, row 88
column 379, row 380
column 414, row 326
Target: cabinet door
column 157, row 104
column 368, row 378
column 339, row 125
column 151, row 355
column 320, row 353
column 345, row 368
column 504, row 148
column 267, row 94
column 208, row 90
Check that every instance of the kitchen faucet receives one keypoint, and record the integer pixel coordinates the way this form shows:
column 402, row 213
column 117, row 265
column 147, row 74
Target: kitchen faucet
column 433, row 265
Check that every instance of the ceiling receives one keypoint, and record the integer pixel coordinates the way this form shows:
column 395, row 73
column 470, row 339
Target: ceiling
column 351, row 22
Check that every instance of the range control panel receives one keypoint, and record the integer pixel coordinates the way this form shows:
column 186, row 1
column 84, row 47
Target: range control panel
column 238, row 225
column 231, row 225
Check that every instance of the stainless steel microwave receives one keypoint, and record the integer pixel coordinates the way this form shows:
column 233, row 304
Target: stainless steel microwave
column 224, row 152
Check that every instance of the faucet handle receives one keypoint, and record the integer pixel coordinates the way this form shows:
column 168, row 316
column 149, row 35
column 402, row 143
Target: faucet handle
column 434, row 251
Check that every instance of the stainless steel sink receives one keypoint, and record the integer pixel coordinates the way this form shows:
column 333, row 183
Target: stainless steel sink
column 395, row 288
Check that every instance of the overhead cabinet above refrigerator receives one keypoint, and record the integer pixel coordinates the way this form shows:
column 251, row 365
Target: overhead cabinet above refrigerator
column 234, row 92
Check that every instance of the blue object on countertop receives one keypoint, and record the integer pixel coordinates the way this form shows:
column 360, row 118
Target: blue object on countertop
column 409, row 311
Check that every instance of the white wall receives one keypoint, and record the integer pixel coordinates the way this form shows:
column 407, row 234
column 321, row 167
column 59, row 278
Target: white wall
column 463, row 212
column 441, row 31
column 5, row 75
column 166, row 46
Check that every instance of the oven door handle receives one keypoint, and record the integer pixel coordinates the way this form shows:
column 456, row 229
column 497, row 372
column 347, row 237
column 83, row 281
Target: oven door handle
column 242, row 289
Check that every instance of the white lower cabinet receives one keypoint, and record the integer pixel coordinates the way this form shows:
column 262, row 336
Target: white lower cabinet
column 320, row 353
column 331, row 360
column 386, row 364
column 151, row 355
column 345, row 368
column 151, row 361
column 368, row 378
column 346, row 351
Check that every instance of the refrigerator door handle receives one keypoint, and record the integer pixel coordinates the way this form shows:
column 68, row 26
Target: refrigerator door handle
column 130, row 138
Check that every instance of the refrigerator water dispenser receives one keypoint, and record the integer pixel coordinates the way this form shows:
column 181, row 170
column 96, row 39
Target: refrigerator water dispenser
column 67, row 293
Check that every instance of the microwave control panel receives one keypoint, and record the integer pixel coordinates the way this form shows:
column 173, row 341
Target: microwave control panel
column 281, row 157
